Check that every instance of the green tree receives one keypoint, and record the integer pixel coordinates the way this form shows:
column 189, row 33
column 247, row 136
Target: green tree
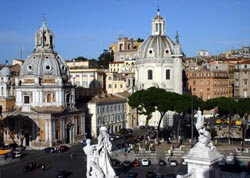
column 80, row 58
column 105, row 58
column 144, row 103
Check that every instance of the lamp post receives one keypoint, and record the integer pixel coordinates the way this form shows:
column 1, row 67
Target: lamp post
column 192, row 121
column 243, row 125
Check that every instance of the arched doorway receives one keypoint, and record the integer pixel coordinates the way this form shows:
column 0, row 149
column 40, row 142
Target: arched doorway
column 68, row 132
column 19, row 129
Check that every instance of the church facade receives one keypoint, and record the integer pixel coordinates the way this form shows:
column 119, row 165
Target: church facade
column 159, row 60
column 45, row 112
column 159, row 64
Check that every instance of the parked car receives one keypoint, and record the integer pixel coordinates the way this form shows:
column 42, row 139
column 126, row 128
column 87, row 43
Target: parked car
column 136, row 163
column 132, row 175
column 63, row 148
column 63, row 174
column 126, row 163
column 49, row 150
column 162, row 162
column 116, row 163
column 159, row 175
column 173, row 163
column 183, row 162
column 145, row 162
column 170, row 175
column 150, row 174
column 16, row 154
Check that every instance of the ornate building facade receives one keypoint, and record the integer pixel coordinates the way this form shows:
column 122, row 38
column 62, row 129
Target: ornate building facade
column 45, row 112
column 159, row 64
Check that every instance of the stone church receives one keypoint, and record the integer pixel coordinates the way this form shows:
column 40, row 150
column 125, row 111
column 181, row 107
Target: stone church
column 159, row 60
column 44, row 113
column 159, row 64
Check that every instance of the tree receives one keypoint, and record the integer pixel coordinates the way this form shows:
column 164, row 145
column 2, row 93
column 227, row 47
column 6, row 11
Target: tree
column 105, row 58
column 80, row 58
column 139, row 40
column 144, row 102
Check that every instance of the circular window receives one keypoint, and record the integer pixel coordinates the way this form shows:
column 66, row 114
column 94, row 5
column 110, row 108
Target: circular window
column 150, row 51
column 30, row 67
column 167, row 51
column 48, row 67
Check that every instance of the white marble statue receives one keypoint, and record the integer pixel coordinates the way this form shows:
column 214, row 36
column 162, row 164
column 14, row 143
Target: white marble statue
column 98, row 157
column 204, row 135
column 104, row 149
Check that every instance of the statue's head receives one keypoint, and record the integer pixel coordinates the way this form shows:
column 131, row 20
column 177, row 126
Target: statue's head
column 103, row 129
column 88, row 141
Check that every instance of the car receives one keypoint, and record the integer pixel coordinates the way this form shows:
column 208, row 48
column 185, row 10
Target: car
column 145, row 162
column 63, row 174
column 142, row 127
column 159, row 175
column 63, row 148
column 49, row 150
column 173, row 163
column 162, row 162
column 136, row 163
column 183, row 162
column 132, row 175
column 16, row 154
column 150, row 174
column 170, row 175
column 126, row 163
column 115, row 163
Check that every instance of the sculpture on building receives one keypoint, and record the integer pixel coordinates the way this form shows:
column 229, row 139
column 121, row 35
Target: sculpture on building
column 98, row 157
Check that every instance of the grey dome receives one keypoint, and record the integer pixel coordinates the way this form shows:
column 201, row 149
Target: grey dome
column 50, row 64
column 156, row 46
column 5, row 71
column 45, row 62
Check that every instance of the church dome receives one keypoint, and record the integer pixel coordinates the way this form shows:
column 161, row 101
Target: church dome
column 5, row 71
column 159, row 45
column 156, row 46
column 44, row 62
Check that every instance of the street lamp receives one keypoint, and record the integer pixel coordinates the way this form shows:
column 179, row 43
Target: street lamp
column 243, row 125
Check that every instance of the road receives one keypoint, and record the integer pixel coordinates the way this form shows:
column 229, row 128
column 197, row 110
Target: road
column 76, row 165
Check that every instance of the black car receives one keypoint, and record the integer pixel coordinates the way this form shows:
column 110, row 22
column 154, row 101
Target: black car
column 170, row 175
column 132, row 175
column 63, row 174
column 150, row 174
column 159, row 175
column 49, row 150
column 162, row 163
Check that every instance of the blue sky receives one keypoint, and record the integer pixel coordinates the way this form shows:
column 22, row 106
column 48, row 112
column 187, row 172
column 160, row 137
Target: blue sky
column 86, row 27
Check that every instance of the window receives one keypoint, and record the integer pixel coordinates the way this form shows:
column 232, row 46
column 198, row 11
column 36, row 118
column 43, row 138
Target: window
column 167, row 74
column 115, row 85
column 110, row 86
column 120, row 85
column 194, row 82
column 150, row 74
column 26, row 99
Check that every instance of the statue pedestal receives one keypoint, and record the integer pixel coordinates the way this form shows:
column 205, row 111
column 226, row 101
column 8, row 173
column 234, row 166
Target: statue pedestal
column 201, row 161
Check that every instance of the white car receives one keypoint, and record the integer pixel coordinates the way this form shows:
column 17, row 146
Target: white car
column 173, row 163
column 145, row 162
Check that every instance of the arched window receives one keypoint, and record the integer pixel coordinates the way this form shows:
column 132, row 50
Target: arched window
column 167, row 74
column 150, row 75
column 49, row 98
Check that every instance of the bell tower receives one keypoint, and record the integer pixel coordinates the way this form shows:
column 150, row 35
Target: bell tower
column 158, row 24
column 44, row 39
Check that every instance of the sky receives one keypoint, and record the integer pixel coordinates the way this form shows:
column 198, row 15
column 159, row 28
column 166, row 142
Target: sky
column 87, row 27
